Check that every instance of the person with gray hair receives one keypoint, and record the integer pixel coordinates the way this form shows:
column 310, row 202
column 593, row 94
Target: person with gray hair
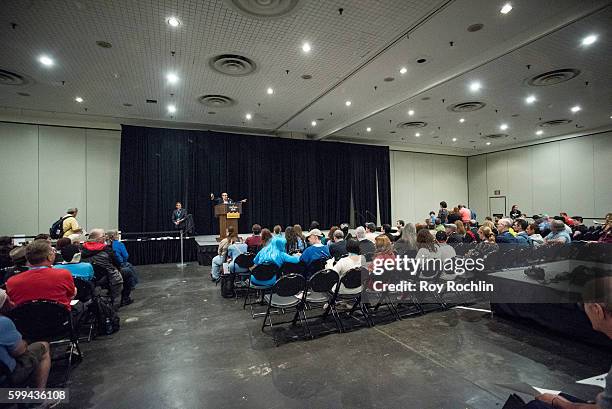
column 407, row 240
column 503, row 232
column 366, row 247
column 558, row 234
column 107, row 272
column 337, row 248
column 70, row 225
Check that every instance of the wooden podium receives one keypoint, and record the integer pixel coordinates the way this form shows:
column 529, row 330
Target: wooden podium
column 228, row 215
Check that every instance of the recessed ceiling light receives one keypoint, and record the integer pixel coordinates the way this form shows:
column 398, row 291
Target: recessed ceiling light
column 248, row 116
column 588, row 40
column 475, row 86
column 530, row 99
column 78, row 99
column 488, row 143
column 506, row 8
column 313, row 123
column 539, row 132
column 171, row 109
column 575, row 108
column 172, row 78
column 348, row 103
column 45, row 60
column 417, row 134
column 403, row 70
column 173, row 22
column 306, row 47
column 454, row 139
column 411, row 112
column 368, row 129
column 270, row 91
column 503, row 127
column 462, row 120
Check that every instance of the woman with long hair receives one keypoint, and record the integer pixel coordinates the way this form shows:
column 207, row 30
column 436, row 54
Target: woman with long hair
column 384, row 251
column 606, row 234
column 220, row 258
column 292, row 242
column 454, row 215
column 407, row 240
column 300, row 237
column 330, row 235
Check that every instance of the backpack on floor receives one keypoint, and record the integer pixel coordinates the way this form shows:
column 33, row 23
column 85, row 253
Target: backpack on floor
column 107, row 318
column 227, row 285
column 57, row 229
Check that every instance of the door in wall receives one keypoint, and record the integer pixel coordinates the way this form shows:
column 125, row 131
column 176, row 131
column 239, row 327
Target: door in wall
column 497, row 206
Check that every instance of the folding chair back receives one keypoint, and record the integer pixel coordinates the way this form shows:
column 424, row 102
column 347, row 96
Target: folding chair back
column 318, row 265
column 245, row 260
column 264, row 272
column 323, row 281
column 292, row 268
column 289, row 285
column 353, row 278
column 84, row 288
column 41, row 320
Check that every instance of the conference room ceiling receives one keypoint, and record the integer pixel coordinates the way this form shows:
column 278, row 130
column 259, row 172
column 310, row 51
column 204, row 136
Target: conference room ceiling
column 240, row 65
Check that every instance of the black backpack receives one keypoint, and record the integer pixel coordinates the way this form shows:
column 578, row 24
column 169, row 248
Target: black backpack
column 57, row 229
column 227, row 285
column 107, row 318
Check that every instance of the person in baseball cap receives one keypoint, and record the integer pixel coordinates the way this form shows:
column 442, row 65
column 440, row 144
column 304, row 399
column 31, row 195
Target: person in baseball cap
column 315, row 251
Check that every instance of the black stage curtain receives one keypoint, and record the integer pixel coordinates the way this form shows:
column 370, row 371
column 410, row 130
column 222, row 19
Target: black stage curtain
column 285, row 181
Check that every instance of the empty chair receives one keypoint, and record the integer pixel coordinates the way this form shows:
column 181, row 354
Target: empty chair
column 320, row 290
column 284, row 295
column 349, row 289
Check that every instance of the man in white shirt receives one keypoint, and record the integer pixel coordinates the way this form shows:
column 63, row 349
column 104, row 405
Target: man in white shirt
column 371, row 233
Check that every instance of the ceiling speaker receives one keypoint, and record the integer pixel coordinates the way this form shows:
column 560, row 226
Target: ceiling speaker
column 466, row 106
column 413, row 124
column 13, row 78
column 554, row 122
column 216, row 101
column 233, row 64
column 495, row 136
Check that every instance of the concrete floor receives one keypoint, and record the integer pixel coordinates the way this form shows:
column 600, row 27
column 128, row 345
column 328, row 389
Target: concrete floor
column 182, row 345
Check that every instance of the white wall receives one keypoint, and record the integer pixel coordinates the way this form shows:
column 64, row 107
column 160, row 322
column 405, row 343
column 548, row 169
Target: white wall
column 47, row 169
column 571, row 175
column 420, row 181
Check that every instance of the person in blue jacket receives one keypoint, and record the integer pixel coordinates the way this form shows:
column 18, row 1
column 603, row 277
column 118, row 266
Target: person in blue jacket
column 273, row 252
column 122, row 256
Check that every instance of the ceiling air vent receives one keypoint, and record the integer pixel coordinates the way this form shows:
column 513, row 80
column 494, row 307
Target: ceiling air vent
column 466, row 106
column 264, row 8
column 233, row 64
column 554, row 122
column 553, row 77
column 413, row 124
column 12, row 78
column 216, row 101
column 495, row 136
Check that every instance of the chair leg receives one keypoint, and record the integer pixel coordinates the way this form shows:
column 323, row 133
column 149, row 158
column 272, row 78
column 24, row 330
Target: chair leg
column 307, row 332
column 266, row 318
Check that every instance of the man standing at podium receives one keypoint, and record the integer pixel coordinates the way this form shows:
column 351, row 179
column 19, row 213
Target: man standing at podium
column 224, row 199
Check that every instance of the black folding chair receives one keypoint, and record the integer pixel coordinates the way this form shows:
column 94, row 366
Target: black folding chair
column 85, row 291
column 349, row 289
column 292, row 268
column 316, row 265
column 45, row 320
column 320, row 291
column 285, row 295
column 244, row 260
column 261, row 272
column 376, row 299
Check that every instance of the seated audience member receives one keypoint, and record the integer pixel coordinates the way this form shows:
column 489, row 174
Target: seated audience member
column 446, row 251
column 420, row 226
column 370, row 229
column 274, row 253
column 330, row 235
column 453, row 236
column 406, row 244
column 254, row 241
column 70, row 225
column 567, row 220
column 221, row 257
column 567, row 228
column 106, row 268
column 6, row 245
column 438, row 225
column 315, row 251
column 345, row 229
column 598, row 308
column 443, row 213
column 384, row 251
column 67, row 249
column 277, row 230
column 300, row 236
column 432, row 218
column 43, row 236
column 504, row 235
column 294, row 243
column 428, row 249
column 520, row 227
column 535, row 239
column 233, row 251
column 399, row 225
column 41, row 281
column 606, row 233
column 387, row 232
column 453, row 216
column 266, row 236
column 28, row 364
column 337, row 248
column 344, row 264
column 543, row 222
column 466, row 236
column 366, row 247
column 18, row 264
column 558, row 234
column 487, row 244
column 489, row 223
column 515, row 212
column 579, row 228
column 122, row 257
